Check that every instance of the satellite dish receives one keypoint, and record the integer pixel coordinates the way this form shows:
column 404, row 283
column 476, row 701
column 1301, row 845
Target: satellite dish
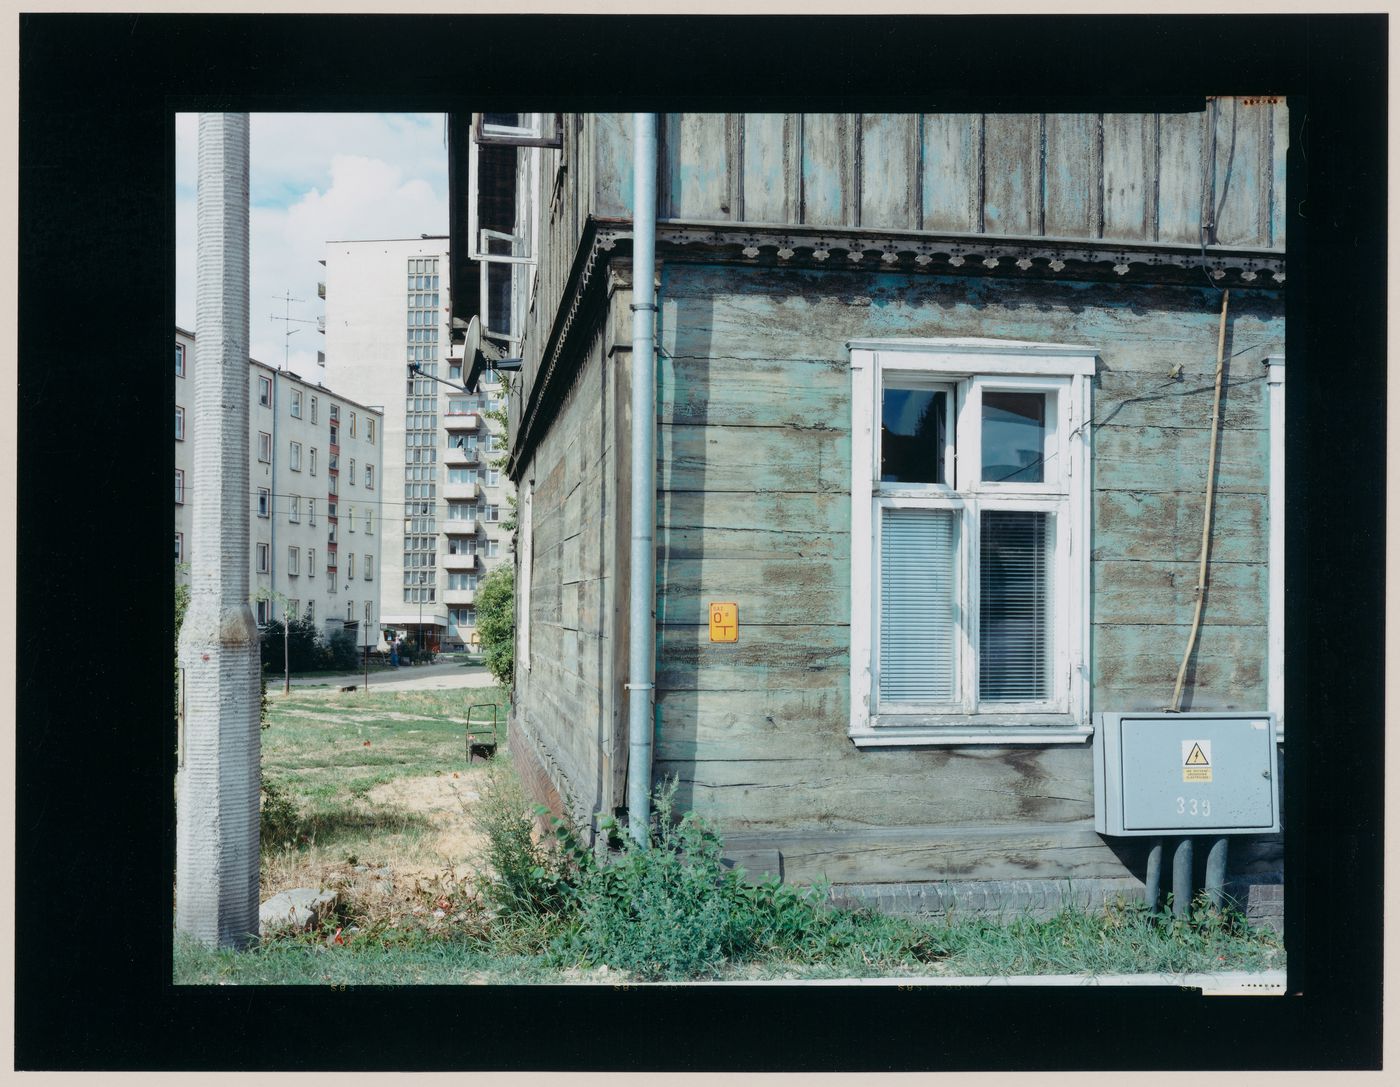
column 480, row 360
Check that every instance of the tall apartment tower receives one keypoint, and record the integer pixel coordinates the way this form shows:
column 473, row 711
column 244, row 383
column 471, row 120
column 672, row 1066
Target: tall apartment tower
column 314, row 475
column 443, row 501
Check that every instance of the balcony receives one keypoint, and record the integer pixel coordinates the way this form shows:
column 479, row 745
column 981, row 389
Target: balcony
column 459, row 562
column 468, row 491
column 454, row 457
column 461, row 528
column 459, row 596
column 466, row 421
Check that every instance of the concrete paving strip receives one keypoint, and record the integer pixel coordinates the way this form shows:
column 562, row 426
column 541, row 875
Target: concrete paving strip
column 425, row 677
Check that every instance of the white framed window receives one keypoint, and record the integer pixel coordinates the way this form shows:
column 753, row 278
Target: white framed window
column 333, row 485
column 970, row 542
column 310, row 563
column 179, row 487
column 296, row 404
column 264, row 391
column 369, row 522
column 350, row 518
column 335, row 413
column 311, row 610
column 352, row 470
column 350, row 566
column 264, row 447
column 179, row 360
column 313, row 409
column 493, row 549
column 264, row 613
column 369, row 430
column 369, row 567
column 179, row 547
column 264, row 558
column 352, row 424
column 294, row 562
column 264, row 502
column 369, row 477
column 293, row 608
column 294, row 457
column 179, row 423
column 311, row 510
column 311, row 464
column 294, row 509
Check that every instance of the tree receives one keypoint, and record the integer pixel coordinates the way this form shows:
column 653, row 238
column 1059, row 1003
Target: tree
column 495, row 620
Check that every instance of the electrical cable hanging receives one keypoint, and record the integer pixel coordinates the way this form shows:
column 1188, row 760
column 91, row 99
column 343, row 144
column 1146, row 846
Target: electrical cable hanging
column 1201, row 576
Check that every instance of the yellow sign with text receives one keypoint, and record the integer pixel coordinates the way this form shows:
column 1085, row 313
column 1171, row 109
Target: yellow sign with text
column 724, row 622
column 1195, row 760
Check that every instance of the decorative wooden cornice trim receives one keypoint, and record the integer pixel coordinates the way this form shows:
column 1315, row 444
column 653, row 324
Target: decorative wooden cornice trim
column 969, row 254
column 785, row 246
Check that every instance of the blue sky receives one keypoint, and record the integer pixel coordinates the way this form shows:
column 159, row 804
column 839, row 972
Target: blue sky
column 314, row 178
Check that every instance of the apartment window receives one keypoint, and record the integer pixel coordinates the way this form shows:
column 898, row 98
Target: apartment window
column 352, row 471
column 493, row 477
column 335, row 413
column 972, row 590
column 352, row 424
column 331, row 509
column 179, row 487
column 264, row 613
column 333, row 485
column 264, row 502
column 294, row 457
column 312, row 463
column 310, row 562
column 296, row 404
column 330, row 532
column 311, row 611
column 369, row 477
column 461, row 581
column 493, row 548
column 293, row 607
column 311, row 510
column 294, row 509
column 294, row 562
column 265, row 391
column 179, row 547
column 369, row 522
column 349, row 611
column 369, row 567
column 179, row 360
column 491, row 513
column 369, row 430
column 350, row 565
column 335, row 434
column 179, row 423
column 264, row 447
column 313, row 409
column 460, row 511
column 264, row 558
column 351, row 518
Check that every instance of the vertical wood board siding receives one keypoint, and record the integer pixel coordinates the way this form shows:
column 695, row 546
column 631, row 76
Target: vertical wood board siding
column 770, row 167
column 695, row 166
column 950, row 171
column 1012, row 187
column 890, row 189
column 1073, row 184
column 828, row 169
column 1129, row 175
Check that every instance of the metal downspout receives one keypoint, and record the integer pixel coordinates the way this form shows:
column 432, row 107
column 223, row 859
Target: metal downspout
column 641, row 628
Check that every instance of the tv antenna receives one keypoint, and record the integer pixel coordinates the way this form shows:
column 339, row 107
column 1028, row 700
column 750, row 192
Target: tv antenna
column 289, row 320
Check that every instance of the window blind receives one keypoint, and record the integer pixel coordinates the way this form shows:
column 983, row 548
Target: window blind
column 1014, row 642
column 918, row 585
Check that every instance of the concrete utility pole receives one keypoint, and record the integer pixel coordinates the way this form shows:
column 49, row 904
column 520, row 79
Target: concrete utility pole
column 216, row 859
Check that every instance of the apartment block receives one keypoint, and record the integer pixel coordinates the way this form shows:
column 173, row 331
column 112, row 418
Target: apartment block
column 444, row 498
column 315, row 477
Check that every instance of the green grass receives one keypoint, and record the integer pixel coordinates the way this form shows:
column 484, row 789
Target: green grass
column 668, row 915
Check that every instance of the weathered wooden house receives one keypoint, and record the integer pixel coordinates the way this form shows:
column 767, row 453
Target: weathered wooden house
column 934, row 409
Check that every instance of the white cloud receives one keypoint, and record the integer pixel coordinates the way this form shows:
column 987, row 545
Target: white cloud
column 315, row 178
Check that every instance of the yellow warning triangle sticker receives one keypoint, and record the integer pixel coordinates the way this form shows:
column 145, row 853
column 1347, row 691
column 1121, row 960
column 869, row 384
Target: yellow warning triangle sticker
column 1197, row 757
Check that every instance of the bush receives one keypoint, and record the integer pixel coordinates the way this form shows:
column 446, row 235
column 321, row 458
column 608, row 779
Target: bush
column 527, row 878
column 306, row 653
column 495, row 619
column 342, row 653
column 277, row 816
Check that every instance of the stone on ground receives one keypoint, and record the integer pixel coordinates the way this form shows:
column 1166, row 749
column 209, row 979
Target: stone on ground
column 295, row 911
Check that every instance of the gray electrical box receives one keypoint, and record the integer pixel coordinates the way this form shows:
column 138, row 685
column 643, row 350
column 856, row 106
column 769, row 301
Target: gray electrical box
column 1185, row 773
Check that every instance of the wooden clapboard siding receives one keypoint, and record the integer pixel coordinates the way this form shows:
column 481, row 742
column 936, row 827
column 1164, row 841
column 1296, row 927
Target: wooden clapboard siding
column 1135, row 665
column 1240, row 176
column 828, row 169
column 1012, row 185
column 1182, row 152
column 696, row 161
column 1157, row 526
column 567, row 696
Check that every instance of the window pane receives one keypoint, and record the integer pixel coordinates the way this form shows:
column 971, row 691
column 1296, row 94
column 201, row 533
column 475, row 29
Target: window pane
column 1013, row 437
column 918, row 585
column 1014, row 645
column 912, row 436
